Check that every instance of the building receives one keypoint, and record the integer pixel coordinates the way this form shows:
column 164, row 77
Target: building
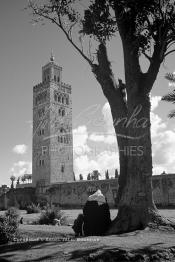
column 52, row 155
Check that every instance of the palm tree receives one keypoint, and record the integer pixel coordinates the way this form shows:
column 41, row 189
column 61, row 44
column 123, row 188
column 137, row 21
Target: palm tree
column 30, row 178
column 23, row 179
column 171, row 96
column 18, row 179
column 12, row 178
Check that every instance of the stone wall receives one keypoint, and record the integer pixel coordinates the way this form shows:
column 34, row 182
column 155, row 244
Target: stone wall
column 164, row 190
column 19, row 197
column 75, row 194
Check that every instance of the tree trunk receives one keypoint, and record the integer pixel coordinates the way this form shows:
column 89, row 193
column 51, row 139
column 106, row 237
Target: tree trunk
column 131, row 119
column 121, row 132
column 136, row 208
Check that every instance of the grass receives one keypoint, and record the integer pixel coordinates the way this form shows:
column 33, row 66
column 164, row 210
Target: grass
column 76, row 250
column 73, row 213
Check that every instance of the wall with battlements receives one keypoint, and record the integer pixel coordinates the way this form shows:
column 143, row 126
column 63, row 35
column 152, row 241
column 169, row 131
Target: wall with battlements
column 75, row 194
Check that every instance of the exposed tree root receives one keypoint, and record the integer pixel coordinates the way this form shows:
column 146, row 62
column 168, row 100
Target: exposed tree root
column 129, row 219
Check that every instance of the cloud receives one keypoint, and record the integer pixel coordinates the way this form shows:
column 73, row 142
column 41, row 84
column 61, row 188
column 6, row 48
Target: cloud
column 108, row 139
column 21, row 167
column 157, row 125
column 163, row 151
column 103, row 161
column 107, row 135
column 163, row 144
column 83, row 165
column 155, row 102
column 163, row 139
column 20, row 149
column 80, row 138
column 106, row 112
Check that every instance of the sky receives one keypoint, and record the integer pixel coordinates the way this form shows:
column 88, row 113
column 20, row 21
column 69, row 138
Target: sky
column 24, row 49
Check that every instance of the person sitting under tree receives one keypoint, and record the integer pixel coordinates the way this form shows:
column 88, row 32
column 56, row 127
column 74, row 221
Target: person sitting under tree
column 95, row 219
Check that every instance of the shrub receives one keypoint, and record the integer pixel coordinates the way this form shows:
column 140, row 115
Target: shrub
column 9, row 225
column 12, row 213
column 33, row 209
column 47, row 217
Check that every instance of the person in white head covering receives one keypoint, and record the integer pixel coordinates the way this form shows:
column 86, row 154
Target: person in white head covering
column 97, row 196
column 95, row 219
column 96, row 215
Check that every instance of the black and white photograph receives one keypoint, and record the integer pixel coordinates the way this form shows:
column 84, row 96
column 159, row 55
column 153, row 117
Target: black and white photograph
column 87, row 140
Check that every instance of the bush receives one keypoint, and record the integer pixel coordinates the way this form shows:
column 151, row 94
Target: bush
column 12, row 213
column 33, row 209
column 47, row 217
column 9, row 225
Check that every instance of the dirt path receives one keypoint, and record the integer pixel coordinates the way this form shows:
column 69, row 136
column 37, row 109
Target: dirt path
column 127, row 247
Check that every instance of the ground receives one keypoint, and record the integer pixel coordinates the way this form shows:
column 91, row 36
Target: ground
column 147, row 245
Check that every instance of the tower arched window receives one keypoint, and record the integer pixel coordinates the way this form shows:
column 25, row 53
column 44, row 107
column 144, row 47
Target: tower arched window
column 61, row 139
column 58, row 79
column 59, row 112
column 63, row 112
column 59, row 98
column 55, row 79
column 67, row 101
column 62, row 100
column 62, row 168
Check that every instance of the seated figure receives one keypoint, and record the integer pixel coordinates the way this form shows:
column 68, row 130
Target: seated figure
column 96, row 216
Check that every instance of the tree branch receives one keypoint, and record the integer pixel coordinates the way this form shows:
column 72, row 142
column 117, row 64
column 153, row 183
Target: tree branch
column 40, row 12
column 150, row 76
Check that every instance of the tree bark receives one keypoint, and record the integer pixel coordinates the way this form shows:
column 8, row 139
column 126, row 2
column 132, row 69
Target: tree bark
column 136, row 208
column 118, row 107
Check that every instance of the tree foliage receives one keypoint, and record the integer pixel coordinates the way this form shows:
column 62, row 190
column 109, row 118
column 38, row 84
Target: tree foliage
column 146, row 27
column 107, row 174
column 171, row 96
column 95, row 175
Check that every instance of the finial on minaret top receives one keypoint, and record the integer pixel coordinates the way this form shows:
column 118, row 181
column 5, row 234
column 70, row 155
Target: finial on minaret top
column 52, row 58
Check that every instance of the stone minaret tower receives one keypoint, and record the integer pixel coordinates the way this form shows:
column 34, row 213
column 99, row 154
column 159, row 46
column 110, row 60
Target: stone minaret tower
column 52, row 128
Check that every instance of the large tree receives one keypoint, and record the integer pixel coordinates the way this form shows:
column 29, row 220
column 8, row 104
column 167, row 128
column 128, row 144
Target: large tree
column 146, row 30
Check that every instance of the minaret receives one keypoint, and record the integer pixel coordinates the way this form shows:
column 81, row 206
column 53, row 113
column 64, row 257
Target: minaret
column 52, row 128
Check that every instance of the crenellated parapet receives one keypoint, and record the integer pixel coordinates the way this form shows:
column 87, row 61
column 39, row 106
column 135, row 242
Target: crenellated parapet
column 38, row 87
